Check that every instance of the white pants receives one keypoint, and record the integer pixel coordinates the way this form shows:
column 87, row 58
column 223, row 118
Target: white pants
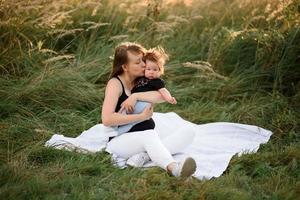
column 159, row 150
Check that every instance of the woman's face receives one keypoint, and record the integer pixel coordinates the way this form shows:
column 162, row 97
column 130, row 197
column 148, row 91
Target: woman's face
column 135, row 66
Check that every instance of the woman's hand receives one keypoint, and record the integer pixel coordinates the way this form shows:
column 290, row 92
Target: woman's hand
column 129, row 104
column 147, row 112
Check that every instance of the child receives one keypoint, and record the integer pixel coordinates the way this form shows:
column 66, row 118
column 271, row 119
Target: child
column 155, row 60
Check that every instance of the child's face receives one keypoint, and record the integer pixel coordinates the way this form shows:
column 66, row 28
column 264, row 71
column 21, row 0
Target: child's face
column 152, row 70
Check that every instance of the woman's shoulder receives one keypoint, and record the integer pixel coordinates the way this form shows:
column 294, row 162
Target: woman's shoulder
column 114, row 83
column 114, row 80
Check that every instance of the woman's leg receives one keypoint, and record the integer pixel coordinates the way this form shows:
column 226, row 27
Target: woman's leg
column 179, row 140
column 129, row 144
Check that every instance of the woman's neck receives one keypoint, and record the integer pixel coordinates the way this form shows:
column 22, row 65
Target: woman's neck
column 128, row 81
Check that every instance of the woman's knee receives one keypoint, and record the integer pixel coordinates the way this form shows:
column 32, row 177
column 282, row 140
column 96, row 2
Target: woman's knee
column 111, row 146
column 188, row 132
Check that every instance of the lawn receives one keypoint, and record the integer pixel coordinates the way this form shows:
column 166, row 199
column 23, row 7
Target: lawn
column 230, row 60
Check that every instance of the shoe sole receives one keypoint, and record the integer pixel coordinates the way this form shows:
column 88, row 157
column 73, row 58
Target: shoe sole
column 188, row 168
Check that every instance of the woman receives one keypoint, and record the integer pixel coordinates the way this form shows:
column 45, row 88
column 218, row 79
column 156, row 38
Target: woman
column 141, row 140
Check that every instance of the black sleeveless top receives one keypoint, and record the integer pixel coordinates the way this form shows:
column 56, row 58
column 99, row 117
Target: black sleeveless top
column 144, row 125
column 122, row 98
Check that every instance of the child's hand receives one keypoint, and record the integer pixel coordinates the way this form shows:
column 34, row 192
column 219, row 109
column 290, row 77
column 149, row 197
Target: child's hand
column 172, row 100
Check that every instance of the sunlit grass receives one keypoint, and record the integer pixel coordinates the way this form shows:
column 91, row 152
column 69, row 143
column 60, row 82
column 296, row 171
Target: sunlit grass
column 235, row 61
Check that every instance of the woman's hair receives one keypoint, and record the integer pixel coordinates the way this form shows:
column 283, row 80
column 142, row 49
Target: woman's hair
column 157, row 55
column 121, row 57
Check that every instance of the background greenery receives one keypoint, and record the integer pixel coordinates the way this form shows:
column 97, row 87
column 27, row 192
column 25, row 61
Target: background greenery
column 230, row 60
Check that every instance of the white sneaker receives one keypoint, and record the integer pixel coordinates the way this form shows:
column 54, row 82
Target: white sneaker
column 185, row 168
column 138, row 160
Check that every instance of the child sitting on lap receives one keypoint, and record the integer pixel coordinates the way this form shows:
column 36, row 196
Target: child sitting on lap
column 154, row 60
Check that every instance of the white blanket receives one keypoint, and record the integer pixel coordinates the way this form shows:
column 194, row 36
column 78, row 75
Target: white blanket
column 212, row 148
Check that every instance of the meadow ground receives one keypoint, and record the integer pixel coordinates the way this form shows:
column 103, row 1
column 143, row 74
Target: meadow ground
column 230, row 60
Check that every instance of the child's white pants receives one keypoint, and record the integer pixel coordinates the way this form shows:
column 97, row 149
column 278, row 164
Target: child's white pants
column 160, row 150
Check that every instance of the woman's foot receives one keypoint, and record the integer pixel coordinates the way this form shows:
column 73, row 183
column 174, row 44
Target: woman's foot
column 184, row 169
column 138, row 160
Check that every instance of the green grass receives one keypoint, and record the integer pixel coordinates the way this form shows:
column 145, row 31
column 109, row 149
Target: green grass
column 235, row 61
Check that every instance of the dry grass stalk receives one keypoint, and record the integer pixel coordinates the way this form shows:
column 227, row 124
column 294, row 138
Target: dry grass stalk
column 57, row 58
column 118, row 37
column 205, row 68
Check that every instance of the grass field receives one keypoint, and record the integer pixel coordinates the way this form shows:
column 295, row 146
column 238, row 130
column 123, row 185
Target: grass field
column 230, row 60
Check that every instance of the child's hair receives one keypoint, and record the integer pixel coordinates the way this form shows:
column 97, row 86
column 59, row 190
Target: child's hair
column 157, row 55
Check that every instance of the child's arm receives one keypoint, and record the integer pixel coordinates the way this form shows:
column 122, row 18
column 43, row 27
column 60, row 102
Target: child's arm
column 150, row 96
column 167, row 96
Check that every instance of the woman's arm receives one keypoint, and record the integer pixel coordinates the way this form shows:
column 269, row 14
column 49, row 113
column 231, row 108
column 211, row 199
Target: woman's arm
column 109, row 116
column 150, row 96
